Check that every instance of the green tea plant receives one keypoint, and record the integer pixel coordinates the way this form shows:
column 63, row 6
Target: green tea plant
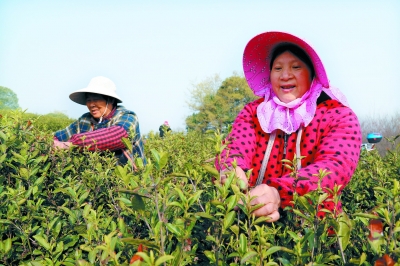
column 75, row 207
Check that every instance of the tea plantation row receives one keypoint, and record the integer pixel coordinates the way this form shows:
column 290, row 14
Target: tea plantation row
column 71, row 207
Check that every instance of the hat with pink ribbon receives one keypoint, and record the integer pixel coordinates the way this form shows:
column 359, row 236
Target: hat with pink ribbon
column 256, row 66
column 257, row 56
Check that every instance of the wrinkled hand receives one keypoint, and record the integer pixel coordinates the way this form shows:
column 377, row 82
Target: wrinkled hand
column 269, row 196
column 61, row 144
column 243, row 182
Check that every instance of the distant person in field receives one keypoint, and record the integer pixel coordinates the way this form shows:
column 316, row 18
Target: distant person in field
column 300, row 114
column 104, row 126
column 164, row 128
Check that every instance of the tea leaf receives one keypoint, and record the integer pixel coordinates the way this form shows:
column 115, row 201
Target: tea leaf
column 210, row 255
column 366, row 215
column 163, row 160
column 344, row 230
column 18, row 158
column 297, row 212
column 235, row 229
column 156, row 156
column 322, row 198
column 121, row 172
column 138, row 203
column 261, row 219
column 194, row 198
column 7, row 245
column 59, row 247
column 229, row 219
column 214, row 172
column 242, row 244
column 43, row 242
column 3, row 157
column 385, row 191
column 177, row 175
column 248, row 256
column 81, row 229
column 3, row 136
column 163, row 259
column 256, row 207
column 231, row 202
column 24, row 173
column 274, row 249
column 176, row 204
column 303, row 201
column 127, row 143
column 174, row 229
column 181, row 196
column 125, row 201
column 92, row 256
column 83, row 197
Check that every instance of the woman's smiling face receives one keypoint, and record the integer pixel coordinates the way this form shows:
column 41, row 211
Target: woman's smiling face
column 97, row 104
column 290, row 77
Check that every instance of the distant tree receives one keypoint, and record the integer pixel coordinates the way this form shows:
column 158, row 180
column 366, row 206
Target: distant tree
column 202, row 96
column 8, row 99
column 216, row 104
column 58, row 114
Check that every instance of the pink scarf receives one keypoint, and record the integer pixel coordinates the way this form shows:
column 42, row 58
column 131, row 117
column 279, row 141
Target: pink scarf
column 288, row 117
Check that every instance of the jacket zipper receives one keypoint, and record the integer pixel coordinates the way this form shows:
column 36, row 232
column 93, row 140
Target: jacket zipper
column 285, row 141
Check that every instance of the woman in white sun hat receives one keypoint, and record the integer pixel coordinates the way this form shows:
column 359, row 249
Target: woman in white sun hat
column 104, row 126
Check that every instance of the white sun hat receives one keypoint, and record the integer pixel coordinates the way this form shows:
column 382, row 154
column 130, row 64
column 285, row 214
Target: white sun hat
column 100, row 85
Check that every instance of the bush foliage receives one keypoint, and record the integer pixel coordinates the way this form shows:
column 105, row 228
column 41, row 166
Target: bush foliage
column 48, row 122
column 70, row 207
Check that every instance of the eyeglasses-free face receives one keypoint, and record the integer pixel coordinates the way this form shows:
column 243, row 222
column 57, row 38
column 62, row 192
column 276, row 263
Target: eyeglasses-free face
column 97, row 105
column 290, row 77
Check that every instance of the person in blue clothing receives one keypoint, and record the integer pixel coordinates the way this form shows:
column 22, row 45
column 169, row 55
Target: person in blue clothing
column 105, row 125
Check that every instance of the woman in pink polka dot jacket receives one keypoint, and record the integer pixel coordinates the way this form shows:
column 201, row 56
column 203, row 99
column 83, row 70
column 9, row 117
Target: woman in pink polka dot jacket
column 299, row 113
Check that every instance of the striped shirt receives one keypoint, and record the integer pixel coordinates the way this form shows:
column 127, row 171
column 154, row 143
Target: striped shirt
column 107, row 135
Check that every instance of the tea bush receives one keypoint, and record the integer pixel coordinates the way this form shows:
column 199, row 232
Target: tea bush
column 48, row 122
column 71, row 207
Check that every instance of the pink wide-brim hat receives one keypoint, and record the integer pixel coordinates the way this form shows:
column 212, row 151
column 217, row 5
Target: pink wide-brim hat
column 257, row 56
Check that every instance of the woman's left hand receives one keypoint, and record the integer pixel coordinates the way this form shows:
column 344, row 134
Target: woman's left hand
column 269, row 196
column 61, row 144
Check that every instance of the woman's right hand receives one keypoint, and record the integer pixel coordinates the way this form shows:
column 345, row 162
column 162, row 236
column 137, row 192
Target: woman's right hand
column 243, row 182
column 61, row 144
column 269, row 196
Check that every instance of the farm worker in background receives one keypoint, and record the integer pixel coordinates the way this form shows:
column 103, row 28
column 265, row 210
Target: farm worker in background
column 104, row 126
column 298, row 113
column 164, row 128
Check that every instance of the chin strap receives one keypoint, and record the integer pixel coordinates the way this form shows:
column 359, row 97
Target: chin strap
column 266, row 158
column 271, row 140
column 101, row 117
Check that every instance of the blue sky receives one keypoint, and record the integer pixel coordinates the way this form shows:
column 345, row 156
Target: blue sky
column 155, row 51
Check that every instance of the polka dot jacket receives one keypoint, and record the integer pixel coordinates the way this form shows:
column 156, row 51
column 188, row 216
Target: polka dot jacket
column 331, row 141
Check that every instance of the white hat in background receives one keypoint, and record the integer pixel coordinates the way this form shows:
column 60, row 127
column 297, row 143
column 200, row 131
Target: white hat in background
column 99, row 85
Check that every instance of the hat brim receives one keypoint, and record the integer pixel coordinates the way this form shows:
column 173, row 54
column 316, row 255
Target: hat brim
column 79, row 96
column 257, row 56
